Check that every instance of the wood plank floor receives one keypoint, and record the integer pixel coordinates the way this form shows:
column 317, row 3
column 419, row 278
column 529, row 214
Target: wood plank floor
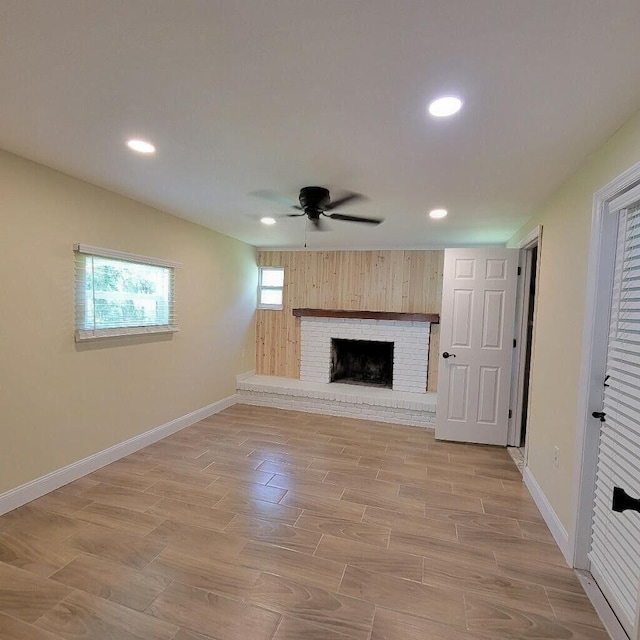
column 264, row 524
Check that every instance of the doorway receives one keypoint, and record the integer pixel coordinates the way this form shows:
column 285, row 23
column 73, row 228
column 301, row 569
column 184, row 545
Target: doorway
column 524, row 332
column 531, row 302
column 605, row 532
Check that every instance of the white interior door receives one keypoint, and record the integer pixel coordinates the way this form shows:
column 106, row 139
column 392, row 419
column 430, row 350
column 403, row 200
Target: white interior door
column 476, row 344
column 615, row 535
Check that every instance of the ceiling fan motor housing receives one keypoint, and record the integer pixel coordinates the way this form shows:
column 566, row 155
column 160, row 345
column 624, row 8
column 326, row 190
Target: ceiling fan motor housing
column 314, row 199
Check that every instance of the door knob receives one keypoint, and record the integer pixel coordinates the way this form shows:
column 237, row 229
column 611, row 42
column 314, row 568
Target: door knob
column 600, row 415
column 446, row 355
column 623, row 501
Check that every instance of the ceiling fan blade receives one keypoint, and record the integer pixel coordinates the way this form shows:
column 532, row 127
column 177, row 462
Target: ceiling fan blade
column 272, row 196
column 341, row 216
column 294, row 215
column 340, row 201
column 317, row 224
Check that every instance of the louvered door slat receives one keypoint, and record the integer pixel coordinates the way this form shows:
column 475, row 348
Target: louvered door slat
column 615, row 548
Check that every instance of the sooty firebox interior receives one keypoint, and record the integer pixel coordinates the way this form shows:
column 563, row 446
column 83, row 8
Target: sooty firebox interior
column 364, row 362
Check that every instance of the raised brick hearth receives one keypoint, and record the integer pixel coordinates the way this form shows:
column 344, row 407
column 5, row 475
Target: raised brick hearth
column 406, row 403
column 336, row 399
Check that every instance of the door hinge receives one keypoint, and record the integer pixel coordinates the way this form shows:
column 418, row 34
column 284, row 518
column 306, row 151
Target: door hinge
column 519, row 270
column 510, row 414
column 514, row 343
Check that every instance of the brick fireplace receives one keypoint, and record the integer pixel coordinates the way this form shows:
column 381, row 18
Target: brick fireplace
column 363, row 362
column 409, row 334
column 406, row 338
column 410, row 341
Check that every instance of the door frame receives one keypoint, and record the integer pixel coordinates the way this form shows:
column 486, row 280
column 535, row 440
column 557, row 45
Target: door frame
column 531, row 240
column 600, row 274
column 595, row 334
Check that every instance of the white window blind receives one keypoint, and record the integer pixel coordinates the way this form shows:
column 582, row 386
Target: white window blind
column 270, row 287
column 120, row 294
column 615, row 552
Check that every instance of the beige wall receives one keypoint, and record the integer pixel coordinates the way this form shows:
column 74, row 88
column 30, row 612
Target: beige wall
column 403, row 281
column 60, row 402
column 566, row 221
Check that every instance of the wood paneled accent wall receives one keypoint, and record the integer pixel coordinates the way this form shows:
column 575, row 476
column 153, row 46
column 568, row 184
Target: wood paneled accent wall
column 406, row 281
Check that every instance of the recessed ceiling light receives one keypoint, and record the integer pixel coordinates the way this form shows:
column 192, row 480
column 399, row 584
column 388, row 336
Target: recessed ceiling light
column 438, row 213
column 268, row 220
column 445, row 106
column 141, row 146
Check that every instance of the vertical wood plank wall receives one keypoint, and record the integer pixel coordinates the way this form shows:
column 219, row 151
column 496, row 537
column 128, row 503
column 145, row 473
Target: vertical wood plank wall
column 405, row 281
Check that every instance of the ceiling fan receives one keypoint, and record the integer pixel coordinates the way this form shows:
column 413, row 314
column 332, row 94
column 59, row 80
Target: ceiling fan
column 315, row 202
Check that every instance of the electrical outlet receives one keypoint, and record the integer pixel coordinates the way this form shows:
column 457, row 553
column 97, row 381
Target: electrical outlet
column 556, row 457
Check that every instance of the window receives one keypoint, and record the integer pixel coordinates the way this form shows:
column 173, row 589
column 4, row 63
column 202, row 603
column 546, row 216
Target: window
column 120, row 294
column 270, row 284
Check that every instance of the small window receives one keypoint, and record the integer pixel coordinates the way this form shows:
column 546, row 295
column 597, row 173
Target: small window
column 120, row 294
column 270, row 284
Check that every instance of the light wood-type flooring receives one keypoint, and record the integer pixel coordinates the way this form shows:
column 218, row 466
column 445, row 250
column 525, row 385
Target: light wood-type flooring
column 261, row 524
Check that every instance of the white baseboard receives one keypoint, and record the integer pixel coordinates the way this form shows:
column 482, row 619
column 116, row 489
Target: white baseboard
column 40, row 486
column 558, row 531
column 602, row 607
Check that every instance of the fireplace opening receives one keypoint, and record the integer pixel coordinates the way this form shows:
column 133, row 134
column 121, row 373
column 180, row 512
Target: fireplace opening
column 365, row 362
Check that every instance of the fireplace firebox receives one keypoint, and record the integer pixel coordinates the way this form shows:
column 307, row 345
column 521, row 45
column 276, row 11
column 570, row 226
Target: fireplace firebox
column 365, row 362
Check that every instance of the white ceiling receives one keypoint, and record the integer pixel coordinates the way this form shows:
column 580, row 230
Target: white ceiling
column 245, row 95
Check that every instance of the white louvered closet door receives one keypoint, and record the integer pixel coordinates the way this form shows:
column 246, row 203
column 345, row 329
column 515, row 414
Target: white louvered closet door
column 615, row 542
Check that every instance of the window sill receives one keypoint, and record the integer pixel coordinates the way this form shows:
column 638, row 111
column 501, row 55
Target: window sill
column 277, row 307
column 84, row 335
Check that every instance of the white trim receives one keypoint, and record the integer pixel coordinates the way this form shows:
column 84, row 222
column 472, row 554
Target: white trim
column 625, row 200
column 594, row 344
column 558, row 532
column 536, row 301
column 261, row 288
column 515, row 405
column 121, row 255
column 602, row 607
column 531, row 239
column 272, row 268
column 84, row 335
column 609, row 595
column 15, row 498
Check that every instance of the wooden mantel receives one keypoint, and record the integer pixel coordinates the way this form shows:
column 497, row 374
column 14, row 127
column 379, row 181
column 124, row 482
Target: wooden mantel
column 434, row 318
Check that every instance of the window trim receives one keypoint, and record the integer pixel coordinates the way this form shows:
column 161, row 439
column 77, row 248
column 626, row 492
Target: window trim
column 84, row 335
column 261, row 287
column 121, row 255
